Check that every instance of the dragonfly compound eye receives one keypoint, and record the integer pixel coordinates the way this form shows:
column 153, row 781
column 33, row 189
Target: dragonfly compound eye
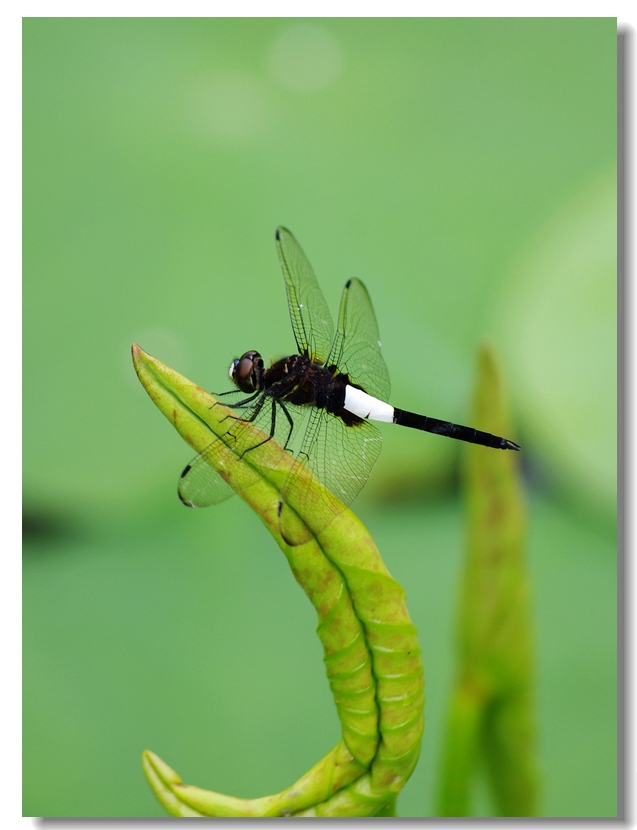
column 245, row 371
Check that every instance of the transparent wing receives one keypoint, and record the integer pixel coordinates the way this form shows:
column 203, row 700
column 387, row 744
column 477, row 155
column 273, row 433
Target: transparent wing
column 201, row 484
column 356, row 348
column 310, row 316
column 341, row 457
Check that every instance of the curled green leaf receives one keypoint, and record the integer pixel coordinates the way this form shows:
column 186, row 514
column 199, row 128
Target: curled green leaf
column 371, row 651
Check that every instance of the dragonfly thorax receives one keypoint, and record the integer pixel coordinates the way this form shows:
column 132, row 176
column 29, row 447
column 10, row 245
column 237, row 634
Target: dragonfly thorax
column 298, row 380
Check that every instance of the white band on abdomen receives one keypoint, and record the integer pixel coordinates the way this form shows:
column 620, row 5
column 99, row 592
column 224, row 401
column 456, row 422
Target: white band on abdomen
column 360, row 403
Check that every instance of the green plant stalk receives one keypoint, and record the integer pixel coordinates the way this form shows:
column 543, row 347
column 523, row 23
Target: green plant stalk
column 491, row 715
column 460, row 751
column 371, row 651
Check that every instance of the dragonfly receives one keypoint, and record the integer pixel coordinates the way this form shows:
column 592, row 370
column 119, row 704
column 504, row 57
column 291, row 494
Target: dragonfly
column 331, row 389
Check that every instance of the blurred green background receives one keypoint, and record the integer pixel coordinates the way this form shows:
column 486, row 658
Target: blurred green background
column 465, row 170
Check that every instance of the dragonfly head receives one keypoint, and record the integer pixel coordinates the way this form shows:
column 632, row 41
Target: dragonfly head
column 246, row 371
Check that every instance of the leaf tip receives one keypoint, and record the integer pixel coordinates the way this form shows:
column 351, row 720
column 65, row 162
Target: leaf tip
column 138, row 355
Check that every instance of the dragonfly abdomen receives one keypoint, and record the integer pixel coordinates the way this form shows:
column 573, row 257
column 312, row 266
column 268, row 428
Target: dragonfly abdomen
column 366, row 406
column 450, row 430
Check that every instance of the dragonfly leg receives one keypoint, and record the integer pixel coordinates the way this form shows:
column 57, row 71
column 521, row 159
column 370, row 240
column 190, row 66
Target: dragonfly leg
column 290, row 422
column 257, row 409
column 239, row 404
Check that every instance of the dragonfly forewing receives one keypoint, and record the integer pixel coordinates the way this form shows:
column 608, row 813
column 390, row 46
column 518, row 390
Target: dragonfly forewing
column 311, row 319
